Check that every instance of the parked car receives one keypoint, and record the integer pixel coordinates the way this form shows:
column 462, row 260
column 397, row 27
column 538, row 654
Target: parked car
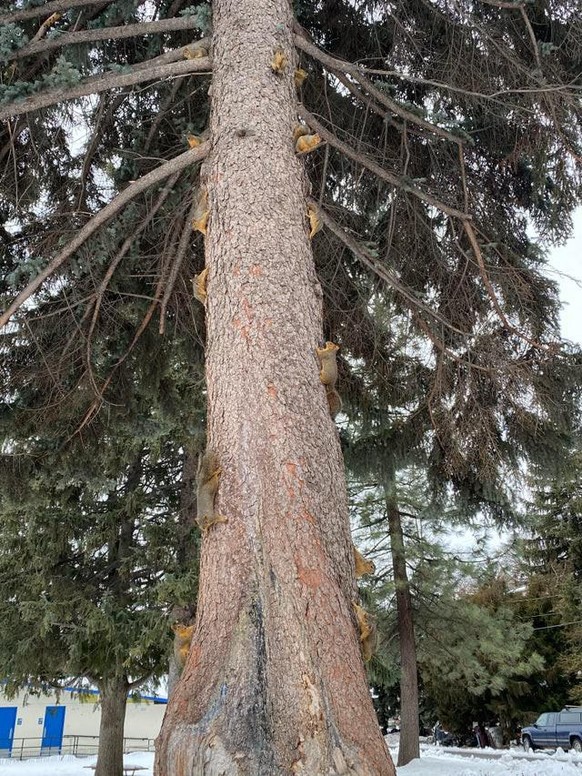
column 553, row 729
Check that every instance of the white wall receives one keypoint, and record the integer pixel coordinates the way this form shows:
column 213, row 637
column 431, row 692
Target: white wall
column 82, row 716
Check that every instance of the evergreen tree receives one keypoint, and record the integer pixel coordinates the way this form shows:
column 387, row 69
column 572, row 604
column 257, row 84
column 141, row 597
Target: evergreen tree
column 93, row 534
column 476, row 656
column 424, row 184
column 552, row 563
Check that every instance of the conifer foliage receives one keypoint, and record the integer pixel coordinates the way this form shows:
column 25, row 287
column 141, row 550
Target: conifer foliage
column 93, row 530
column 439, row 132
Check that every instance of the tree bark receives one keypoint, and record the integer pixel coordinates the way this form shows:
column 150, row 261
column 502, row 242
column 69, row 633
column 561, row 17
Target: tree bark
column 113, row 693
column 409, row 748
column 274, row 682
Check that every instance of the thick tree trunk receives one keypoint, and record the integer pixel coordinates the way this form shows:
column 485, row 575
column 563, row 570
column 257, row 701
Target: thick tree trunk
column 113, row 701
column 409, row 726
column 274, row 682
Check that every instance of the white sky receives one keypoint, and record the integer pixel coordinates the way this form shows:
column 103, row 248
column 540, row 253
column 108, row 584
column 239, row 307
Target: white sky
column 568, row 260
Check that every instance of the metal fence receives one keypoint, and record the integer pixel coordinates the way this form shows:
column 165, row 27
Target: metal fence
column 23, row 748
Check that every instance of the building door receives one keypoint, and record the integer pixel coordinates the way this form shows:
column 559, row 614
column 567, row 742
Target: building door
column 52, row 732
column 7, row 724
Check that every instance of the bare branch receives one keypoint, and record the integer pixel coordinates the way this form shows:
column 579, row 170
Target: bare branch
column 115, row 263
column 358, row 73
column 98, row 401
column 532, row 37
column 104, row 33
column 379, row 269
column 504, row 4
column 438, row 343
column 469, row 231
column 51, row 7
column 101, row 83
column 160, row 173
column 177, row 263
column 492, row 96
column 389, row 177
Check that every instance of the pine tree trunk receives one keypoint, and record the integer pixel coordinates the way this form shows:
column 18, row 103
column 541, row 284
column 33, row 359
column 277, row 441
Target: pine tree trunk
column 113, row 701
column 274, row 682
column 409, row 726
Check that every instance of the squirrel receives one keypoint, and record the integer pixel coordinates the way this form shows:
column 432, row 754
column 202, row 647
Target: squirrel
column 363, row 565
column 328, row 361
column 299, row 77
column 307, row 143
column 305, row 140
column 279, row 62
column 328, row 376
column 182, row 640
column 199, row 283
column 334, row 402
column 200, row 220
column 53, row 19
column 299, row 131
column 368, row 633
column 195, row 53
column 207, row 484
column 314, row 221
column 196, row 140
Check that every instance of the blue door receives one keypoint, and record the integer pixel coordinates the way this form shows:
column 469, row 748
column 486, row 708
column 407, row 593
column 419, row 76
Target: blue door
column 7, row 723
column 52, row 732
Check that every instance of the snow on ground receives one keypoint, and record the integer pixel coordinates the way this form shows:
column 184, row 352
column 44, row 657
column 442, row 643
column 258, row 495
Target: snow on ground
column 434, row 761
column 69, row 765
column 439, row 762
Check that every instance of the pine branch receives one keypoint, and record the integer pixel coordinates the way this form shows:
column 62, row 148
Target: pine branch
column 100, row 83
column 492, row 96
column 504, row 4
column 160, row 173
column 48, row 8
column 395, row 180
column 103, row 33
column 113, row 266
column 469, row 231
column 379, row 269
column 177, row 263
column 137, row 682
column 357, row 72
column 438, row 343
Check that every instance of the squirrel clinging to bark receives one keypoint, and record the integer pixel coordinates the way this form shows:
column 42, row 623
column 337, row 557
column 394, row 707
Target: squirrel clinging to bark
column 328, row 375
column 304, row 139
column 182, row 640
column 199, row 284
column 328, row 361
column 200, row 220
column 207, row 486
column 279, row 61
column 363, row 565
column 368, row 633
column 299, row 76
column 314, row 221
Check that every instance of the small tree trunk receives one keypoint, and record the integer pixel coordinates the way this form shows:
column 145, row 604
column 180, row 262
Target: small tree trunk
column 409, row 725
column 113, row 702
column 187, row 551
column 275, row 683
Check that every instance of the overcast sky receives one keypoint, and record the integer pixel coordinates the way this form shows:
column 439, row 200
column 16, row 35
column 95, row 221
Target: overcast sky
column 568, row 260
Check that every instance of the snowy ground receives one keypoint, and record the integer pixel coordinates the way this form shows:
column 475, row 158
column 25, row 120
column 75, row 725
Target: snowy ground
column 433, row 762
